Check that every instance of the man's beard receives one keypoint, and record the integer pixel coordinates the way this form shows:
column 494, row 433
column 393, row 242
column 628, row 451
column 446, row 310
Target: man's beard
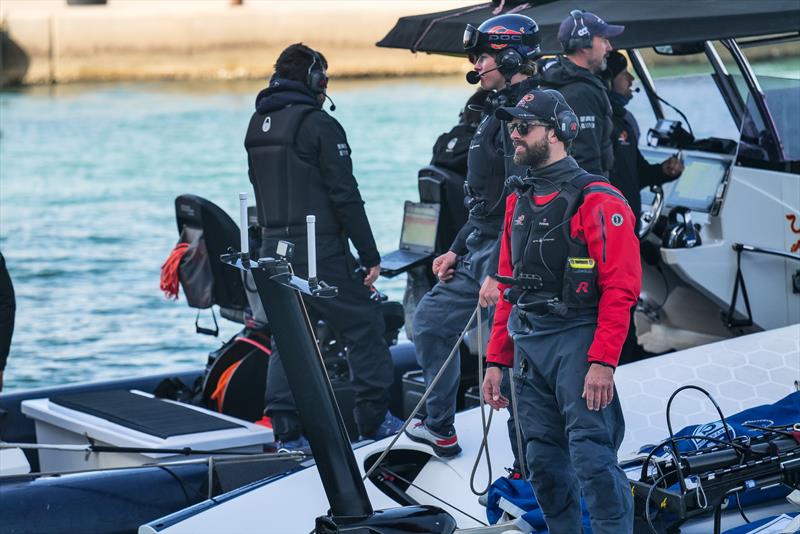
column 596, row 67
column 535, row 155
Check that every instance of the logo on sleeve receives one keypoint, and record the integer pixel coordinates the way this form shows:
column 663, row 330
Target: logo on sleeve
column 617, row 219
column 267, row 124
column 344, row 150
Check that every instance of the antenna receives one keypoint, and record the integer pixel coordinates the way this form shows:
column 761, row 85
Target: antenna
column 243, row 238
column 312, row 251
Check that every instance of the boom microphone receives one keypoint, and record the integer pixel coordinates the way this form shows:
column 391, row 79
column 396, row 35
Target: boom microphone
column 333, row 106
column 473, row 77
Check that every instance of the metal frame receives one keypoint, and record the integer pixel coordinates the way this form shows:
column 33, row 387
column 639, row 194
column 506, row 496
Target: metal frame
column 757, row 93
column 726, row 85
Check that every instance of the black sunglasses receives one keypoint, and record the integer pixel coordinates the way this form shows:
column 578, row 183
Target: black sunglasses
column 523, row 127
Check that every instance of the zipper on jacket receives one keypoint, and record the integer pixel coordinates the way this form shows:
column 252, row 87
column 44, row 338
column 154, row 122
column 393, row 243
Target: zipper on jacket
column 603, row 234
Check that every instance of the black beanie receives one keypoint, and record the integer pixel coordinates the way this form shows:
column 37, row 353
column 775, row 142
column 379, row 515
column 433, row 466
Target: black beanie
column 615, row 63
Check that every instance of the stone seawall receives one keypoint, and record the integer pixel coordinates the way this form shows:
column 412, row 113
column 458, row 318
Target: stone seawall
column 48, row 41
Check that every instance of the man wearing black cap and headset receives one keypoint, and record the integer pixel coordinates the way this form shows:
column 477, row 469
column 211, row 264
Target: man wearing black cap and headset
column 584, row 39
column 299, row 164
column 570, row 272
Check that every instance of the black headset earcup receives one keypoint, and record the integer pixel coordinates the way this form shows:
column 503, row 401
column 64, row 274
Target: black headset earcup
column 568, row 125
column 580, row 36
column 509, row 61
column 317, row 82
column 316, row 79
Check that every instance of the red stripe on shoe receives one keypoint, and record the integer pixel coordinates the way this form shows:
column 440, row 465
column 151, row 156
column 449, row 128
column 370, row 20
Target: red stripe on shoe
column 447, row 442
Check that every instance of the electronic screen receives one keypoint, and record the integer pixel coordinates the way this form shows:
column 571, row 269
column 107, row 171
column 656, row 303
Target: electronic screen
column 419, row 226
column 697, row 186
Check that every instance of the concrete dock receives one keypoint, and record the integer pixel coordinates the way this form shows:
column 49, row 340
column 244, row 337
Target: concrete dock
column 49, row 41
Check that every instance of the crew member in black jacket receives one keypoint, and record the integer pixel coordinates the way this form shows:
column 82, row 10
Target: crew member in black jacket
column 631, row 172
column 299, row 164
column 449, row 154
column 505, row 66
column 8, row 308
column 584, row 39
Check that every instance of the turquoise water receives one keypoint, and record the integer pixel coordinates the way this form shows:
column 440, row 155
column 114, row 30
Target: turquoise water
column 89, row 173
column 88, row 176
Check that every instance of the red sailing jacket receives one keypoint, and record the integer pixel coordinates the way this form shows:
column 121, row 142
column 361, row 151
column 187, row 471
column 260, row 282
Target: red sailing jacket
column 618, row 277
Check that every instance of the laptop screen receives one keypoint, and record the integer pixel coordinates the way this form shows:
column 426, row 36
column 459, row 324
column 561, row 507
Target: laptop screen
column 419, row 226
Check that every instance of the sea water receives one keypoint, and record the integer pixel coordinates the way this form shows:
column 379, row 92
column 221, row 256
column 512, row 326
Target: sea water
column 88, row 178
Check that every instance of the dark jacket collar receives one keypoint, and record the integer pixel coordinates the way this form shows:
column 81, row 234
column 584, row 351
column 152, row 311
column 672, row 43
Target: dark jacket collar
column 282, row 93
column 618, row 103
column 508, row 96
column 563, row 72
column 551, row 178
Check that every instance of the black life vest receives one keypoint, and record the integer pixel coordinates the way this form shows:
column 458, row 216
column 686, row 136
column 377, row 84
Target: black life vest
column 287, row 187
column 548, row 263
column 486, row 169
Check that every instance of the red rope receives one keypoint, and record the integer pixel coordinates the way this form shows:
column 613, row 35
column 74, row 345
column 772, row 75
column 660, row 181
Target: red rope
column 169, row 271
column 256, row 344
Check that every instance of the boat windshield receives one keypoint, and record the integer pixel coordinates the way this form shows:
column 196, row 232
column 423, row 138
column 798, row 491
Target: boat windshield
column 782, row 96
column 695, row 95
column 777, row 68
column 691, row 84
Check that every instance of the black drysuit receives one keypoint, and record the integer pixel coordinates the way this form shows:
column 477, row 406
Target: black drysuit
column 299, row 164
column 631, row 172
column 8, row 308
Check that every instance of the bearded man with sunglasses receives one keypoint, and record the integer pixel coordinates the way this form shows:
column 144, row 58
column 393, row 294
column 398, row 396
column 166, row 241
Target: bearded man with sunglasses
column 503, row 50
column 569, row 270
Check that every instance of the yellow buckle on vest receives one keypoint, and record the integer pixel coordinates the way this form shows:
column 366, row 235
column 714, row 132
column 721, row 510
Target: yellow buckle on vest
column 581, row 263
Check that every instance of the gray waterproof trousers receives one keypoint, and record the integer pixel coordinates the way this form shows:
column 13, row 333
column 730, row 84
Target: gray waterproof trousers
column 440, row 317
column 570, row 449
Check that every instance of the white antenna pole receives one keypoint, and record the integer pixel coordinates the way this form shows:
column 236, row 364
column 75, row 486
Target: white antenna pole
column 244, row 240
column 312, row 249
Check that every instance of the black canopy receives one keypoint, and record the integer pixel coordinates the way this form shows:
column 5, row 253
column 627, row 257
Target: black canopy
column 647, row 22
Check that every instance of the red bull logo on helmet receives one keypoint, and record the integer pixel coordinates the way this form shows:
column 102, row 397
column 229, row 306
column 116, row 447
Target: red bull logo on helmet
column 500, row 37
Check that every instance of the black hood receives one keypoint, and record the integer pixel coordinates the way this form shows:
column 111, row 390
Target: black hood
column 282, row 93
column 562, row 71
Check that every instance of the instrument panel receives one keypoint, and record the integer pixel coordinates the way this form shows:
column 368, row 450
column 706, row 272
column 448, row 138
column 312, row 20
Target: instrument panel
column 699, row 185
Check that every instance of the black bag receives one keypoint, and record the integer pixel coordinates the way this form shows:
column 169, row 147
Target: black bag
column 194, row 270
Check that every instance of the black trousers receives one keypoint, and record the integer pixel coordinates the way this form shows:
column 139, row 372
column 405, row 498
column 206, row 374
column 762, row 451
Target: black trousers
column 358, row 322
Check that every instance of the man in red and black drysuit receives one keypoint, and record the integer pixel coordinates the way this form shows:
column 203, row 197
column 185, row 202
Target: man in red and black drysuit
column 569, row 270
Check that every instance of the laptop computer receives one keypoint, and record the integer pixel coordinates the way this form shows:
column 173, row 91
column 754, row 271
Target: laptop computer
column 417, row 239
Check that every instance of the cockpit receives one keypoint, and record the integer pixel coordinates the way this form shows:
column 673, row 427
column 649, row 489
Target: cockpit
column 719, row 243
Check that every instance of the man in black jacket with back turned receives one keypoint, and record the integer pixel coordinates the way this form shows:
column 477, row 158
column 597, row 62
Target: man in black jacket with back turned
column 584, row 38
column 299, row 164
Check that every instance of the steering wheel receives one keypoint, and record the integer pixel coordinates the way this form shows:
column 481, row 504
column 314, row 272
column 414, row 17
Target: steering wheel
column 647, row 219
